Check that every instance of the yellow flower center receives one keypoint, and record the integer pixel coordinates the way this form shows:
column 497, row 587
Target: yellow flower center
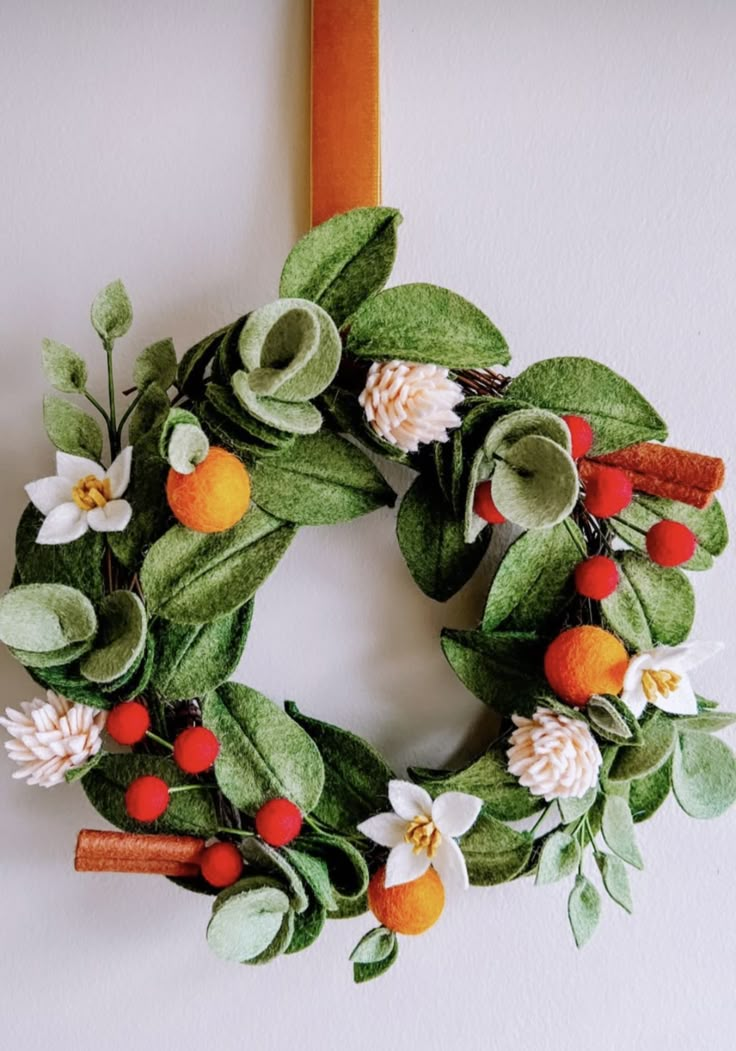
column 659, row 682
column 91, row 492
column 423, row 834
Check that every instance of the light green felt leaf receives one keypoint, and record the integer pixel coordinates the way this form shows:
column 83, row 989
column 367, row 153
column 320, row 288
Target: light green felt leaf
column 611, row 719
column 493, row 852
column 52, row 658
column 294, row 417
column 425, row 323
column 45, row 617
column 583, row 910
column 188, row 446
column 535, row 484
column 64, row 368
column 343, row 261
column 346, row 867
column 192, row 659
column 558, row 858
column 263, row 753
column 618, row 414
column 706, row 721
column 374, row 946
column 266, row 859
column 574, row 807
column 432, row 540
column 315, row 874
column 502, row 669
column 192, row 578
column 156, row 364
column 708, row 525
column 651, row 605
column 487, row 778
column 225, row 415
column 246, row 923
column 618, row 830
column 122, row 636
column 615, row 880
column 318, row 480
column 365, row 972
column 111, row 313
column 657, row 742
column 78, row 564
column 149, row 414
column 647, row 794
column 70, row 429
column 145, row 493
column 703, row 775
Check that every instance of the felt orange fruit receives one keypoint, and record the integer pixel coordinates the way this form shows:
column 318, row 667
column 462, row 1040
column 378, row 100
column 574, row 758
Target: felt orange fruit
column 214, row 497
column 583, row 661
column 410, row 908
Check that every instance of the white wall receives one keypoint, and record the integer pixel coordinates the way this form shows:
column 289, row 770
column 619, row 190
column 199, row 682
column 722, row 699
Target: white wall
column 569, row 167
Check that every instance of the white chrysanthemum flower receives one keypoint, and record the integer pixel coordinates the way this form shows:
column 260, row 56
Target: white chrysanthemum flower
column 51, row 736
column 553, row 755
column 659, row 677
column 409, row 405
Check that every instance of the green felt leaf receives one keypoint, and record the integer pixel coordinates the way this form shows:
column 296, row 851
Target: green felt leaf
column 279, row 944
column 263, row 753
column 558, row 858
column 618, row 830
column 318, row 480
column 615, row 880
column 111, row 312
column 78, row 564
column 197, row 360
column 156, row 364
column 121, row 638
column 76, row 773
column 583, row 910
column 266, row 859
column 315, row 874
column 146, row 494
column 535, row 484
column 342, row 262
column 647, row 794
column 425, row 323
column 349, row 908
column 68, row 682
column 70, row 429
column 493, row 852
column 487, row 778
column 709, row 526
column 502, row 669
column 226, row 417
column 618, row 414
column 356, row 776
column 45, row 617
column 52, row 658
column 295, row 417
column 63, row 367
column 346, row 866
column 533, row 583
column 706, row 721
column 611, row 719
column 432, row 540
column 149, row 414
column 365, row 972
column 190, row 813
column 651, row 605
column 192, row 578
column 703, row 775
column 246, row 923
column 657, row 742
column 192, row 659
column 307, row 927
column 374, row 946
column 449, row 466
column 572, row 809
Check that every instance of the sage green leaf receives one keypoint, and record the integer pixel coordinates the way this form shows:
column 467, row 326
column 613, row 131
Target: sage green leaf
column 122, row 636
column 624, row 615
column 156, row 364
column 706, row 721
column 145, row 493
column 192, row 659
column 45, row 617
column 356, row 776
column 615, row 880
column 533, row 583
column 78, row 564
column 618, row 830
column 503, row 669
column 246, row 923
column 318, row 480
column 111, row 313
column 70, row 429
column 266, row 859
column 294, row 417
column 583, row 910
column 374, row 946
column 149, row 414
column 225, row 415
column 307, row 927
column 647, row 794
column 315, row 874
column 703, row 775
column 708, row 525
column 493, row 852
column 188, row 446
column 535, row 484
column 432, row 540
column 611, row 719
column 657, row 742
column 573, row 808
column 191, row 578
column 616, row 411
column 52, row 658
column 343, row 261
column 365, row 972
column 64, row 368
column 190, row 813
column 346, row 866
column 425, row 323
column 263, row 753
column 651, row 605
column 487, row 778
column 558, row 858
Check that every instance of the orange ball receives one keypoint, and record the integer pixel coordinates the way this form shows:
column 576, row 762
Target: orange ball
column 410, row 908
column 214, row 497
column 583, row 661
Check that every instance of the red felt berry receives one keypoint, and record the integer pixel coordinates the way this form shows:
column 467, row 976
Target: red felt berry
column 195, row 749
column 596, row 577
column 581, row 436
column 607, row 491
column 670, row 543
column 221, row 864
column 278, row 822
column 146, row 798
column 128, row 723
column 484, row 506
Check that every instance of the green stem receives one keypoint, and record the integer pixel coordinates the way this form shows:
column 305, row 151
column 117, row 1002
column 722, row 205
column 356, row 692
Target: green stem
column 575, row 537
column 188, row 788
column 112, row 425
column 628, row 525
column 94, row 401
column 126, row 414
column 541, row 818
column 236, row 832
column 159, row 740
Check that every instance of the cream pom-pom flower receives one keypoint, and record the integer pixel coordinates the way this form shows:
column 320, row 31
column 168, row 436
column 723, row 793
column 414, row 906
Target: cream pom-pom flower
column 409, row 405
column 51, row 736
column 553, row 755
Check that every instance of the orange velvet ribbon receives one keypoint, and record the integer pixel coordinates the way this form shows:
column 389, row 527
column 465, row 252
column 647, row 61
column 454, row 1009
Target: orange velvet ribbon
column 346, row 152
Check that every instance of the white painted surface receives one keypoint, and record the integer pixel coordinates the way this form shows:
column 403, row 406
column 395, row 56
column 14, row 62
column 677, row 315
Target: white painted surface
column 569, row 167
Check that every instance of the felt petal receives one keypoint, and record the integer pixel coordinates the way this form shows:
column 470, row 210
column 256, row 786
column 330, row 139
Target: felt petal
column 455, row 812
column 385, row 829
column 64, row 524
column 119, row 472
column 75, row 467
column 450, row 865
column 112, row 518
column 681, row 701
column 48, row 493
column 634, row 697
column 689, row 654
column 409, row 800
column 404, row 865
column 638, row 664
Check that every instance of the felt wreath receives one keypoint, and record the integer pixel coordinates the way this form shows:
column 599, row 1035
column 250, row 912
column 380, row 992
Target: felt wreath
column 134, row 587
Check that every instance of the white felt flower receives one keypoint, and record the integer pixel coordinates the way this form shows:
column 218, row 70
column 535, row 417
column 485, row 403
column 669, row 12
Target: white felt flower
column 409, row 405
column 81, row 496
column 553, row 755
column 659, row 677
column 421, row 833
column 51, row 736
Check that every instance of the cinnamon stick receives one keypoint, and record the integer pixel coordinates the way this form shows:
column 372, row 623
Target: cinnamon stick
column 130, row 852
column 690, row 470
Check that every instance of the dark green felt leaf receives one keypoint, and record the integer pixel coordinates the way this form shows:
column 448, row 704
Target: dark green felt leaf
column 155, row 364
column 493, row 852
column 315, row 874
column 149, row 414
column 558, row 858
column 651, row 605
column 647, row 794
column 111, row 312
column 503, row 669
column 45, row 617
column 195, row 362
column 68, row 682
column 78, row 564
column 70, row 429
column 583, row 910
column 374, row 946
column 618, row 830
column 246, row 923
column 120, row 641
column 308, row 926
column 709, row 525
column 195, row 658
column 703, row 775
column 365, row 972
column 615, row 879
column 76, row 773
column 63, row 368
column 346, row 866
column 428, row 324
column 658, row 739
column 146, row 493
column 611, row 719
column 489, row 779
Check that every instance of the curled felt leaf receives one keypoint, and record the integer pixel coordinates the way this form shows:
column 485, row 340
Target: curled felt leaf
column 45, row 617
column 188, row 446
column 121, row 639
